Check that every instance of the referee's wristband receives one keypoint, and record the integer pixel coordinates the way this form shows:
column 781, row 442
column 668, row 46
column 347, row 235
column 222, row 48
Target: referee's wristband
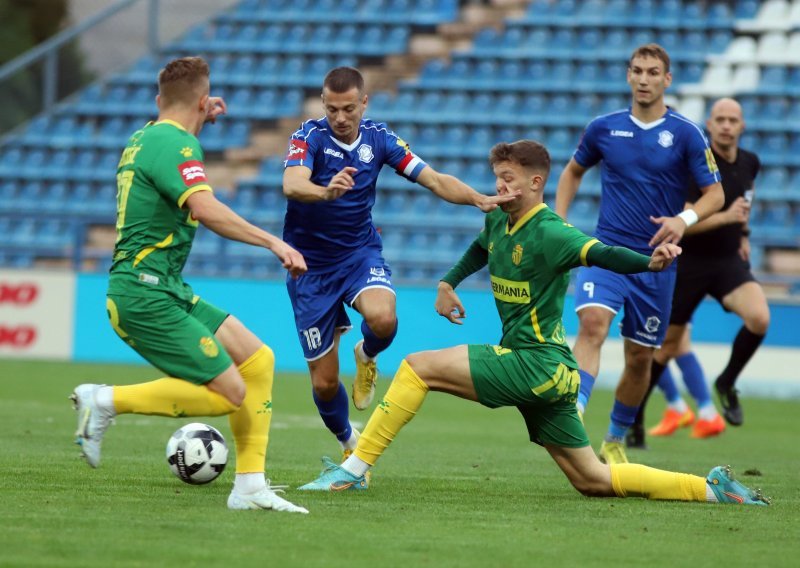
column 689, row 217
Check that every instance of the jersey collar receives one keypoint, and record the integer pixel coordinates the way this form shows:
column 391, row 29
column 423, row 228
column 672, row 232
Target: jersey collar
column 177, row 125
column 347, row 147
column 525, row 218
column 647, row 125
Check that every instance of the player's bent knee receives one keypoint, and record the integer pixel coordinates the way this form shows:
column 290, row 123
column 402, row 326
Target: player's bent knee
column 325, row 386
column 593, row 325
column 592, row 487
column 759, row 323
column 383, row 324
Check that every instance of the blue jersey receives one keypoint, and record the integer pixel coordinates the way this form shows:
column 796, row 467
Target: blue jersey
column 645, row 171
column 328, row 232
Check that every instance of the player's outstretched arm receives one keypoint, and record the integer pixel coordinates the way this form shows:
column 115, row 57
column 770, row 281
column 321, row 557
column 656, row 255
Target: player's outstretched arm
column 448, row 304
column 454, row 190
column 221, row 219
column 567, row 187
column 623, row 260
column 297, row 184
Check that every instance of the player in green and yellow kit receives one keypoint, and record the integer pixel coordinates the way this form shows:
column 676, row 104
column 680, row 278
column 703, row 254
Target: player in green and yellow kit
column 214, row 364
column 529, row 251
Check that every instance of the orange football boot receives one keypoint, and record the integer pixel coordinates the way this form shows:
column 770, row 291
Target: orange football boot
column 708, row 428
column 671, row 421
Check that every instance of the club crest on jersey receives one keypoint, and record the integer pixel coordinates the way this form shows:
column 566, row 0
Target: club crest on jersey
column 665, row 138
column 365, row 153
column 208, row 347
column 192, row 172
column 652, row 324
column 516, row 255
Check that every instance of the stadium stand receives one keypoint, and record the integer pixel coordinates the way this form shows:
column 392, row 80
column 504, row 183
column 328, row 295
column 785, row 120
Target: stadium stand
column 543, row 73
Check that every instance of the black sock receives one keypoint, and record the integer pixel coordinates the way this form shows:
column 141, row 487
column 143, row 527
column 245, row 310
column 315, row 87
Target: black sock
column 655, row 374
column 744, row 346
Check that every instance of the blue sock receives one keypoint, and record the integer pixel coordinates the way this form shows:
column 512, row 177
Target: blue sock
column 667, row 384
column 694, row 378
column 335, row 413
column 622, row 417
column 587, row 384
column 374, row 344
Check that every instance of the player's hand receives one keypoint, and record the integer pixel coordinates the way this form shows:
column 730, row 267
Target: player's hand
column 739, row 211
column 671, row 231
column 341, row 182
column 292, row 260
column 663, row 256
column 744, row 249
column 488, row 203
column 216, row 107
column 448, row 305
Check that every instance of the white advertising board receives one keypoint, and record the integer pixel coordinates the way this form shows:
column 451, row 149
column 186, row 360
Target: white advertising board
column 36, row 314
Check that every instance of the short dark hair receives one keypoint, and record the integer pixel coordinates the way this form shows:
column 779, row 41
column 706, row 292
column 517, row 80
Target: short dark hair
column 526, row 153
column 651, row 50
column 342, row 79
column 181, row 79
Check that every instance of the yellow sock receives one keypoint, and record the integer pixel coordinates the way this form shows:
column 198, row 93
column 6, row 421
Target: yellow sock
column 635, row 480
column 398, row 407
column 170, row 397
column 250, row 424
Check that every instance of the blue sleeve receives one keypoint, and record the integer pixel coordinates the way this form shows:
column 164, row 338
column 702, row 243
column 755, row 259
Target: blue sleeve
column 400, row 157
column 301, row 149
column 588, row 153
column 700, row 158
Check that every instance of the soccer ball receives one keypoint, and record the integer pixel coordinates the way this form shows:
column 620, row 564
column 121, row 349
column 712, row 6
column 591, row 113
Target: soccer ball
column 197, row 453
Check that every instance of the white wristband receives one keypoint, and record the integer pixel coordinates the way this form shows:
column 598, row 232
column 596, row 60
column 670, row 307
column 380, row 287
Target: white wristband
column 689, row 217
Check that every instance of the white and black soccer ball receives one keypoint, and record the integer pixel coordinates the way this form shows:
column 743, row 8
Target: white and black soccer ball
column 197, row 453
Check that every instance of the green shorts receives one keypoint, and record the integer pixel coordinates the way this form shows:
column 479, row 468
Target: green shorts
column 174, row 336
column 544, row 390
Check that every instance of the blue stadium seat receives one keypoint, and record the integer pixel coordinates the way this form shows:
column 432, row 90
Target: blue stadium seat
column 537, row 38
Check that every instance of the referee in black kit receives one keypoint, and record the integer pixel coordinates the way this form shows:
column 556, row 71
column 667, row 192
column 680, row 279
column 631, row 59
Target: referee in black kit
column 716, row 261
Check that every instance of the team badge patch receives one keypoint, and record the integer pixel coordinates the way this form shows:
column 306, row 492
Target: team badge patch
column 208, row 347
column 192, row 172
column 666, row 138
column 365, row 153
column 298, row 150
column 516, row 255
column 186, row 152
column 652, row 324
column 403, row 144
column 711, row 162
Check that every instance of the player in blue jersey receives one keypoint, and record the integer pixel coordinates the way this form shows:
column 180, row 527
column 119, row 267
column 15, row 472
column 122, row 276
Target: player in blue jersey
column 332, row 167
column 647, row 153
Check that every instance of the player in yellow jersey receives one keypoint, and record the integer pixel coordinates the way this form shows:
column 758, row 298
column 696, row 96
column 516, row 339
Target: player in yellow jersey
column 214, row 364
column 529, row 251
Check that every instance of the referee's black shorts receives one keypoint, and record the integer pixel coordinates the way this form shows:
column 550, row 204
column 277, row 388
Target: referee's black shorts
column 698, row 276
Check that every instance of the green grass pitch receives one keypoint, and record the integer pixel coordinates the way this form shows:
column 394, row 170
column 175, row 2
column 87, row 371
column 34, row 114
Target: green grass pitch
column 460, row 487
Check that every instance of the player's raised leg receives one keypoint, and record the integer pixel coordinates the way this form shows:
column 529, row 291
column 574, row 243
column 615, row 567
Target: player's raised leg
column 377, row 305
column 445, row 370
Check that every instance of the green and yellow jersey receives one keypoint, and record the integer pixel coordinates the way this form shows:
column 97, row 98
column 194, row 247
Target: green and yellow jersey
column 161, row 166
column 529, row 265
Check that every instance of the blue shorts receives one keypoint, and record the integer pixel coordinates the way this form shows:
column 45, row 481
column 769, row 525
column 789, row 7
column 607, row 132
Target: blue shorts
column 646, row 297
column 318, row 299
